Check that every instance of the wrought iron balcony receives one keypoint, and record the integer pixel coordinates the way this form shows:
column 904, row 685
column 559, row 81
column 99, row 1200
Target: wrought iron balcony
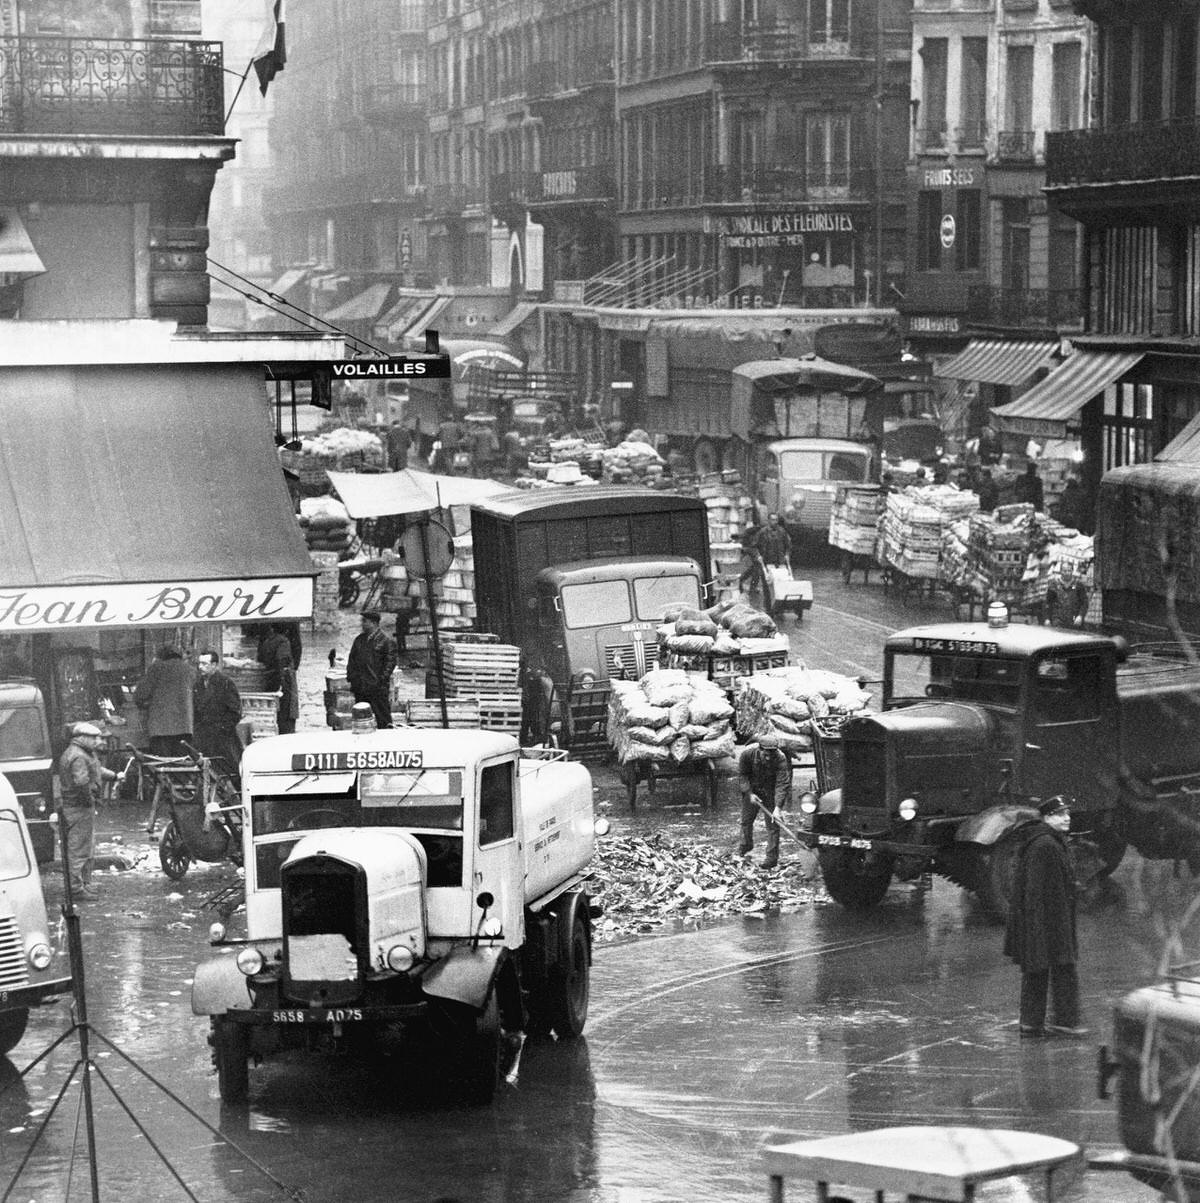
column 53, row 85
column 593, row 182
column 783, row 42
column 1158, row 150
column 387, row 103
column 1015, row 145
column 1033, row 307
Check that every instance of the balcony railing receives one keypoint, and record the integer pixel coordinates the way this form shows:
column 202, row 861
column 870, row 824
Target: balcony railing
column 1034, row 307
column 1160, row 150
column 971, row 135
column 782, row 42
column 574, row 185
column 1015, row 145
column 52, row 85
column 393, row 102
column 784, row 182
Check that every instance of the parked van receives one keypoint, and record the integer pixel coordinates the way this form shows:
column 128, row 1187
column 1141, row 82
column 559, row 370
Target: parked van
column 32, row 971
column 25, row 759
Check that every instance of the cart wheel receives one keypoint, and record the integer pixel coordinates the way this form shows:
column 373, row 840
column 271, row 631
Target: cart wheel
column 173, row 853
column 348, row 593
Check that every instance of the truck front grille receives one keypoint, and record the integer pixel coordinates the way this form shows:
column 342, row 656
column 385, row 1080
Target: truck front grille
column 864, row 769
column 623, row 661
column 13, row 967
column 320, row 925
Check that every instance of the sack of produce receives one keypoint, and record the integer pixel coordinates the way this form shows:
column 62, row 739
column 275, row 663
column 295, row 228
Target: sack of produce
column 681, row 748
column 709, row 706
column 690, row 645
column 640, row 713
column 755, row 625
column 696, row 626
column 726, row 645
column 639, row 751
column 678, row 716
column 694, row 730
column 648, row 735
column 714, row 749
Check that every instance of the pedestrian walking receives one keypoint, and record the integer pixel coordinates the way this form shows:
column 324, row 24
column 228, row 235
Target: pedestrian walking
column 369, row 668
column 275, row 651
column 1040, row 935
column 399, row 440
column 774, row 543
column 165, row 693
column 766, row 777
column 217, row 706
column 750, row 579
column 81, row 777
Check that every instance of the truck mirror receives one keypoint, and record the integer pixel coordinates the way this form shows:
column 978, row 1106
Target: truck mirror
column 484, row 900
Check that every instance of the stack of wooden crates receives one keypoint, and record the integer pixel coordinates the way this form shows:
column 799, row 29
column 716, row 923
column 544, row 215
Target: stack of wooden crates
column 325, row 590
column 478, row 668
column 730, row 513
column 260, row 706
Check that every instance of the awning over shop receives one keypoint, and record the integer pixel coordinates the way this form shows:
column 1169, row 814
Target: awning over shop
column 1047, row 407
column 520, row 313
column 362, row 308
column 380, row 494
column 1184, row 448
column 143, row 496
column 421, row 320
column 999, row 361
column 463, row 351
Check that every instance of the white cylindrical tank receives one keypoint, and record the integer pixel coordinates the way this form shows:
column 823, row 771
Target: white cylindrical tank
column 558, row 826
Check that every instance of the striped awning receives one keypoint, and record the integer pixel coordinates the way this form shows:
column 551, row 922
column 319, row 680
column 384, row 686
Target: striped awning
column 999, row 361
column 1047, row 407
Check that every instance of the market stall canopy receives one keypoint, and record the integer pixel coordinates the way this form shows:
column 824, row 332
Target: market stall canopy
column 382, row 494
column 999, row 361
column 1047, row 407
column 143, row 495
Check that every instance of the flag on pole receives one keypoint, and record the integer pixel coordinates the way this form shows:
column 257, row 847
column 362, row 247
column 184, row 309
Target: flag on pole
column 270, row 60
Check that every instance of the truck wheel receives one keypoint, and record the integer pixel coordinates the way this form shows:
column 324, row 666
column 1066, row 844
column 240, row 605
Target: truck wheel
column 706, row 459
column 570, row 985
column 851, row 880
column 993, row 876
column 172, row 852
column 12, row 1028
column 231, row 1055
column 480, row 1065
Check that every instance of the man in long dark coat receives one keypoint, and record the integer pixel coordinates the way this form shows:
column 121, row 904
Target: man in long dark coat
column 369, row 668
column 217, row 706
column 1041, row 923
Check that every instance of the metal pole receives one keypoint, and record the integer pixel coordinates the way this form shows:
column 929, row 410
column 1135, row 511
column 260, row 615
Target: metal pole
column 879, row 85
column 433, row 622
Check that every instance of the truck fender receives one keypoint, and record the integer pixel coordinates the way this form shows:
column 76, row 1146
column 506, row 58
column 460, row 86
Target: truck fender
column 466, row 975
column 830, row 802
column 219, row 986
column 991, row 825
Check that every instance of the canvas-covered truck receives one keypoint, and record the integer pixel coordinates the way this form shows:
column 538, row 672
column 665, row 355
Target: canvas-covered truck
column 579, row 579
column 417, row 889
column 980, row 718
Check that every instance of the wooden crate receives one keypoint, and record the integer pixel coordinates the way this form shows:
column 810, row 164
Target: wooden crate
column 460, row 712
column 262, row 711
column 501, row 713
column 249, row 680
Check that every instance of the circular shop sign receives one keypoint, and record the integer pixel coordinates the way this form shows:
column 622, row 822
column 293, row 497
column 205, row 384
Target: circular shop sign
column 947, row 230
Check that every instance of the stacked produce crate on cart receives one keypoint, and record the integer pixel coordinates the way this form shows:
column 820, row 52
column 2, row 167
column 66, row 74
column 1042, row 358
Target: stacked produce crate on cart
column 670, row 723
column 730, row 514
column 343, row 449
column 339, row 701
column 262, row 711
column 854, row 519
column 998, row 547
column 910, row 531
column 787, row 701
column 722, row 643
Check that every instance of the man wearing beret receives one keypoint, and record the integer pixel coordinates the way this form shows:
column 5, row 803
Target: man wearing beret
column 1040, row 935
column 80, row 778
column 369, row 668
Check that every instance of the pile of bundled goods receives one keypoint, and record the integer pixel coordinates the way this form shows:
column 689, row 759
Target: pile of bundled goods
column 854, row 519
column 998, row 547
column 955, row 567
column 730, row 510
column 642, row 882
column 633, row 462
column 1064, row 562
column 730, row 628
column 345, row 445
column 910, row 531
column 669, row 716
column 587, row 454
column 326, row 524
column 787, row 700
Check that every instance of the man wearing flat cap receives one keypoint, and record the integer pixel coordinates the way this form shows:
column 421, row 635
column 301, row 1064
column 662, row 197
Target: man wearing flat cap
column 81, row 777
column 765, row 770
column 1040, row 935
column 369, row 668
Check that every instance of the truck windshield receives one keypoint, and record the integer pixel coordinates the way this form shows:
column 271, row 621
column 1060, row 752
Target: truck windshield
column 823, row 465
column 22, row 734
column 653, row 594
column 409, row 798
column 598, row 604
column 964, row 678
column 14, row 857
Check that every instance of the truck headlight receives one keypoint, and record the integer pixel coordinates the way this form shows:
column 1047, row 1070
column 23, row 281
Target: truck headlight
column 602, row 826
column 586, row 680
column 250, row 961
column 908, row 809
column 400, row 958
column 40, row 955
column 808, row 804
column 216, row 932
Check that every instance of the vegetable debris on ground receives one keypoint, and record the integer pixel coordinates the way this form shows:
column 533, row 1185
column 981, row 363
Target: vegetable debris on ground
column 643, row 882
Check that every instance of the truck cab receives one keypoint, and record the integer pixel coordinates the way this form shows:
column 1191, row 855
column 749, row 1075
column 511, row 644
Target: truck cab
column 803, row 474
column 598, row 620
column 425, row 881
column 32, row 972
column 26, row 759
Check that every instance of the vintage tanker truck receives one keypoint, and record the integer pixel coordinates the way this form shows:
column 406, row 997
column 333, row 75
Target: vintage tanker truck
column 980, row 718
column 419, row 889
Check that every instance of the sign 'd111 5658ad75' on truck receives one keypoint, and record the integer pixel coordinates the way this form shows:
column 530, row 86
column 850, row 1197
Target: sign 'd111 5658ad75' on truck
column 417, row 890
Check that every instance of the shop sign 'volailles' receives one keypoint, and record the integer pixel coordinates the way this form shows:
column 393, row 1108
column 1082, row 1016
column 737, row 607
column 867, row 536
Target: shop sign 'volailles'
column 407, row 367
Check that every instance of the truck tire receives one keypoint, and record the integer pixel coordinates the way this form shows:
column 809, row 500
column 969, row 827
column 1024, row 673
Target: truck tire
column 570, row 983
column 851, row 881
column 12, row 1028
column 992, row 874
column 231, row 1055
